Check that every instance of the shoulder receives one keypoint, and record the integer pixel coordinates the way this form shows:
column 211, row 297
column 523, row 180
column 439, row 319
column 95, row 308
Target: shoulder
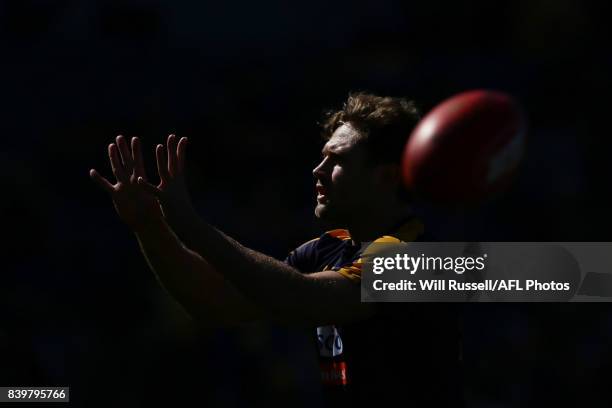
column 327, row 239
column 306, row 257
column 337, row 234
column 410, row 231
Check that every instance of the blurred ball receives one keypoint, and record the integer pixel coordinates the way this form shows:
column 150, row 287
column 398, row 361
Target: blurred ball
column 466, row 148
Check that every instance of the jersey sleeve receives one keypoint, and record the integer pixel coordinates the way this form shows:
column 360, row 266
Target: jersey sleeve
column 352, row 271
column 304, row 257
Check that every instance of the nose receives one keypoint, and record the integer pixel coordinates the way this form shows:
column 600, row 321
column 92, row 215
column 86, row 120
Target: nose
column 318, row 172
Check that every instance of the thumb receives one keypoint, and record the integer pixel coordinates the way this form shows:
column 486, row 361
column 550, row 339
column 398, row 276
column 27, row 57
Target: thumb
column 149, row 188
column 101, row 181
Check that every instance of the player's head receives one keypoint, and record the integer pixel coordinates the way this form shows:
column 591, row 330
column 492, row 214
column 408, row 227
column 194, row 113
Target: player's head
column 360, row 169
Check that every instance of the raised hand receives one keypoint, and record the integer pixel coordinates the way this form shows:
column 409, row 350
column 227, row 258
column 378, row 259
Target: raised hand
column 134, row 204
column 172, row 190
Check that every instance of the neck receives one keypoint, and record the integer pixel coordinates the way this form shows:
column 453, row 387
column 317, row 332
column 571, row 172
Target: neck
column 378, row 222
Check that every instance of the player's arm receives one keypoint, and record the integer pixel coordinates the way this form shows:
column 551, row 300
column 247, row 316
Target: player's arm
column 280, row 291
column 203, row 292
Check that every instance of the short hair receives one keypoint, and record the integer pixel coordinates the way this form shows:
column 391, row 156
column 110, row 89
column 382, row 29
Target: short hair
column 383, row 122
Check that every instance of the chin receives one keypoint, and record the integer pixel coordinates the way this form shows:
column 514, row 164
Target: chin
column 324, row 212
column 327, row 217
column 320, row 211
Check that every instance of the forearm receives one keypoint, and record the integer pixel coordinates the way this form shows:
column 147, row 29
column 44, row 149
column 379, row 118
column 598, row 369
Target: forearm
column 283, row 292
column 274, row 286
column 181, row 216
column 196, row 285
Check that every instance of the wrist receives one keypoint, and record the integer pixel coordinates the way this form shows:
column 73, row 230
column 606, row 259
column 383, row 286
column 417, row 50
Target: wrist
column 179, row 215
column 149, row 226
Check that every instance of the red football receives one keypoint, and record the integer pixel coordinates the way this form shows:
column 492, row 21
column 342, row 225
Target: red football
column 465, row 148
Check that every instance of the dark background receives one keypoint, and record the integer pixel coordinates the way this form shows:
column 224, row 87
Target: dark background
column 247, row 82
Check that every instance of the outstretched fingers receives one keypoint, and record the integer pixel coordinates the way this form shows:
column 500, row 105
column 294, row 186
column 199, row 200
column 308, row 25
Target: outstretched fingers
column 126, row 154
column 139, row 169
column 101, row 181
column 118, row 170
column 172, row 159
column 162, row 164
column 180, row 154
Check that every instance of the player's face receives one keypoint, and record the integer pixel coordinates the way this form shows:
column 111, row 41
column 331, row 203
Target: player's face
column 344, row 181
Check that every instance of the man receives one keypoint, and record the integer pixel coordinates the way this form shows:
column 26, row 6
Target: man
column 377, row 352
